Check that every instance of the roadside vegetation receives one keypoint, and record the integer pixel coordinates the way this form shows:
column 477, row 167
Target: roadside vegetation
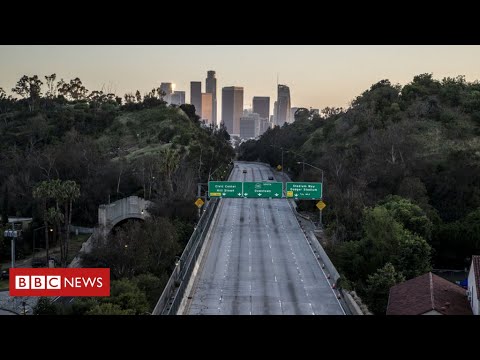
column 65, row 150
column 402, row 178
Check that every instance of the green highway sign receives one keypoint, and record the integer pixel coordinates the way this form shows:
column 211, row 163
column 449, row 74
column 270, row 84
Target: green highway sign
column 261, row 190
column 304, row 190
column 225, row 189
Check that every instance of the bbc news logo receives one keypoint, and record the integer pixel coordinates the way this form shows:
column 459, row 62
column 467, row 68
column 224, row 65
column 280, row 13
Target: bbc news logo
column 60, row 282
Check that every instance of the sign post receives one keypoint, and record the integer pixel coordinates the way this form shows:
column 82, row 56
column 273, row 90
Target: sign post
column 199, row 203
column 320, row 205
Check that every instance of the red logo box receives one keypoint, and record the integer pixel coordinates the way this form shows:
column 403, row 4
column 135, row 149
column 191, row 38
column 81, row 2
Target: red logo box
column 60, row 282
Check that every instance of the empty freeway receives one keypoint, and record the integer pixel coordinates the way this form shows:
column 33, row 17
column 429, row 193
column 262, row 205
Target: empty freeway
column 257, row 261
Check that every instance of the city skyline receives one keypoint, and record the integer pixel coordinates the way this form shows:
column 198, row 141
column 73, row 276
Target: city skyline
column 318, row 76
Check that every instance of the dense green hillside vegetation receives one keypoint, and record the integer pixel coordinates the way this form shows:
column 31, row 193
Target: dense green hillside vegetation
column 110, row 148
column 419, row 142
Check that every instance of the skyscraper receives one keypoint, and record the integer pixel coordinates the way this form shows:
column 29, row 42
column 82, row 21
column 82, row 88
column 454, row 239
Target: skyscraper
column 261, row 106
column 275, row 111
column 232, row 108
column 207, row 109
column 167, row 88
column 283, row 105
column 211, row 87
column 196, row 96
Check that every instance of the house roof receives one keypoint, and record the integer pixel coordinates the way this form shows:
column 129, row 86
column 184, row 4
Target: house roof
column 476, row 272
column 425, row 293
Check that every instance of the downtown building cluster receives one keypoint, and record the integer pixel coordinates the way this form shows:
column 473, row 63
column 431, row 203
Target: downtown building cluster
column 244, row 123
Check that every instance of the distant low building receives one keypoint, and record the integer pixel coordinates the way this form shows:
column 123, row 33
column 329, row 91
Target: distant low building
column 177, row 98
column 293, row 110
column 474, row 285
column 428, row 294
column 249, row 126
column 263, row 126
column 20, row 222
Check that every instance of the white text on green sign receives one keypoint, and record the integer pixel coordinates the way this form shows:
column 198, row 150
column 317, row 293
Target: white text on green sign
column 304, row 190
column 261, row 190
column 225, row 189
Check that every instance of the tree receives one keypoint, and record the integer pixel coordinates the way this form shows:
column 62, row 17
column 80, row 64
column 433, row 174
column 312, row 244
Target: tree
column 61, row 192
column 137, row 248
column 413, row 256
column 126, row 294
column 152, row 286
column 382, row 237
column 45, row 306
column 138, row 97
column 68, row 193
column 129, row 98
column 378, row 288
column 109, row 309
column 410, row 215
column 55, row 218
column 5, row 205
column 43, row 192
column 29, row 88
column 51, row 88
column 74, row 90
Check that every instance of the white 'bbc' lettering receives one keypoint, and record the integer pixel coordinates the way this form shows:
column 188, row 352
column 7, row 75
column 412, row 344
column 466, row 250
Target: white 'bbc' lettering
column 39, row 282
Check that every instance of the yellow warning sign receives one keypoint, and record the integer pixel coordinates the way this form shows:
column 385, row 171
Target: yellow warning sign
column 289, row 193
column 321, row 205
column 199, row 203
column 279, row 167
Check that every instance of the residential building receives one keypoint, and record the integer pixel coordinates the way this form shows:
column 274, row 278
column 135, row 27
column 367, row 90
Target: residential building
column 473, row 285
column 428, row 294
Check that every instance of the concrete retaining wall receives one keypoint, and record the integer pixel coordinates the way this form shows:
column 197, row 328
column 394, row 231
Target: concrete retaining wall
column 352, row 305
column 329, row 267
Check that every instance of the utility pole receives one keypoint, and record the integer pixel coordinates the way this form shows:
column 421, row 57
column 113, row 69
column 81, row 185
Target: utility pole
column 199, row 195
column 321, row 198
column 282, row 162
column 13, row 246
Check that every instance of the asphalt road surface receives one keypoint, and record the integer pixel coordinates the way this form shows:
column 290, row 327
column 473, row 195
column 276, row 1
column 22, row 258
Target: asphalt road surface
column 258, row 261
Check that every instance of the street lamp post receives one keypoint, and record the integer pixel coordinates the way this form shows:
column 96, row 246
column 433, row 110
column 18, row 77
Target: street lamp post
column 321, row 198
column 13, row 235
column 303, row 157
column 281, row 148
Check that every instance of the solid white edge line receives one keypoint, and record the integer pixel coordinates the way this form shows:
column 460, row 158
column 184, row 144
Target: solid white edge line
column 311, row 249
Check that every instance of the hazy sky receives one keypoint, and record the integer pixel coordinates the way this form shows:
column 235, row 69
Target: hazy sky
column 317, row 75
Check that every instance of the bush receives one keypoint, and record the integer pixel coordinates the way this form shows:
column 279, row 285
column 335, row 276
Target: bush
column 45, row 307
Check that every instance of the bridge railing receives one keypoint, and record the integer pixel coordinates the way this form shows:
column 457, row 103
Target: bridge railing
column 174, row 290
